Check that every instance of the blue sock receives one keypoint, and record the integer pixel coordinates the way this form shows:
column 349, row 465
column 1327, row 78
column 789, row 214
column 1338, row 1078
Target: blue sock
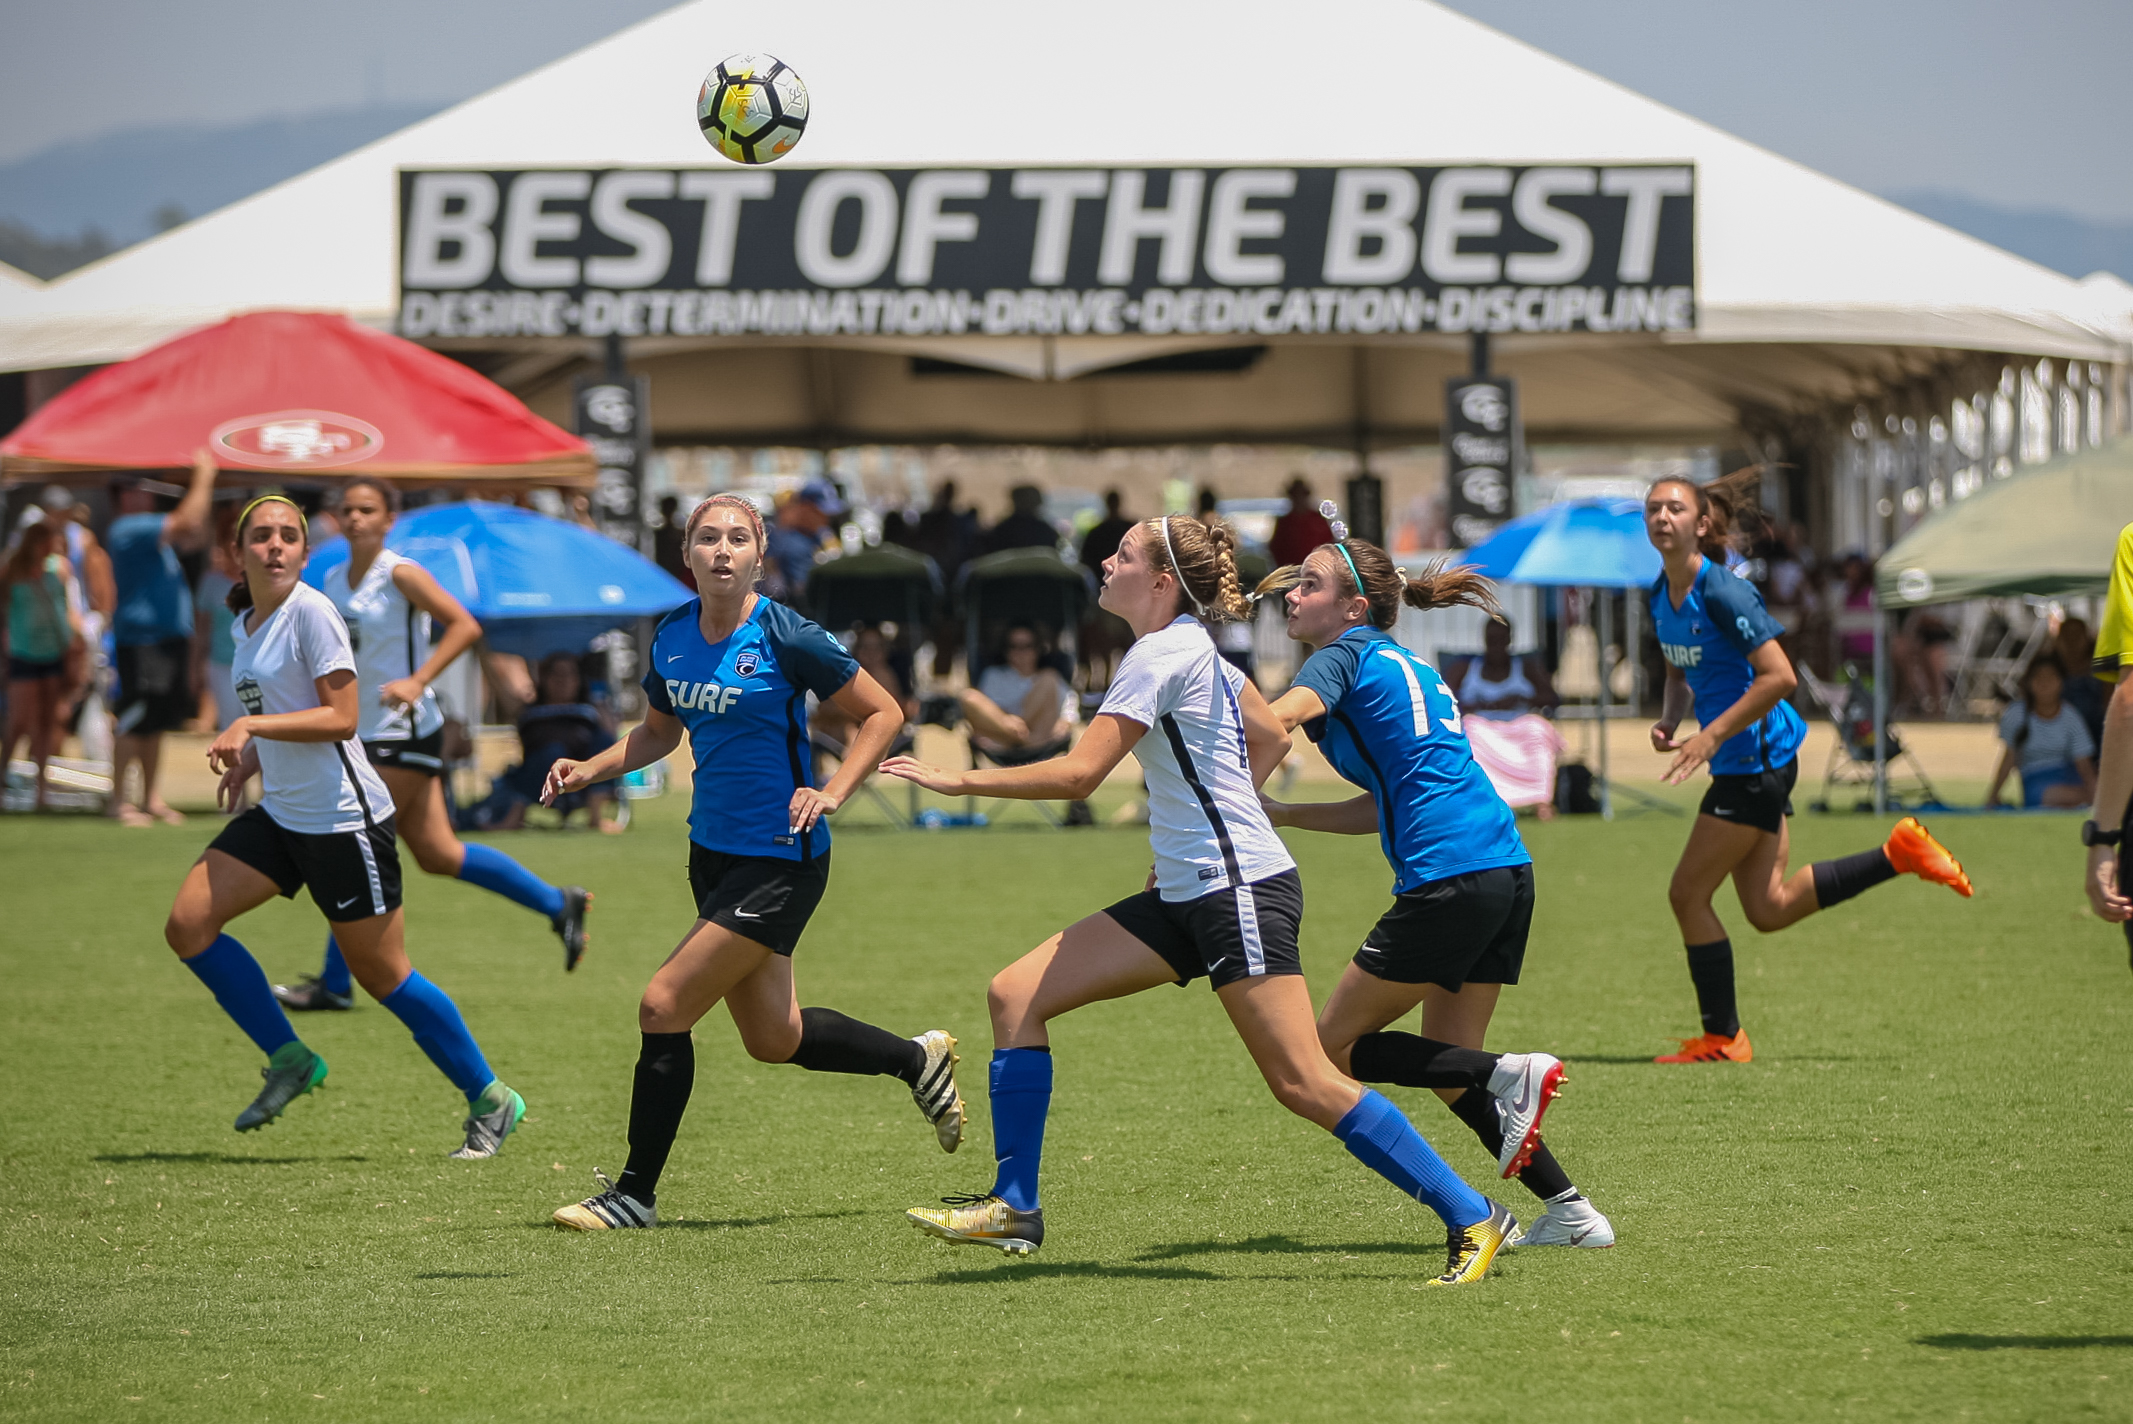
column 333, row 974
column 433, row 1018
column 1021, row 1095
column 491, row 869
column 1382, row 1138
column 240, row 986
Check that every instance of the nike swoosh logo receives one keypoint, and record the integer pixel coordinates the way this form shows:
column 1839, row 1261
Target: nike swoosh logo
column 1525, row 1095
column 1583, row 1234
column 743, row 915
column 674, row 658
column 346, row 903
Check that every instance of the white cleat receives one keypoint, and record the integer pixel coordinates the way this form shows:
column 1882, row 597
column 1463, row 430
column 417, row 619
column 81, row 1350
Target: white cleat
column 1576, row 1222
column 1523, row 1086
column 935, row 1093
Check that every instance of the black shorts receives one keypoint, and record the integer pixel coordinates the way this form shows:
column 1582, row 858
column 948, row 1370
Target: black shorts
column 1229, row 935
column 423, row 754
column 24, row 670
column 758, row 897
column 155, row 692
column 1762, row 799
column 1464, row 929
column 353, row 875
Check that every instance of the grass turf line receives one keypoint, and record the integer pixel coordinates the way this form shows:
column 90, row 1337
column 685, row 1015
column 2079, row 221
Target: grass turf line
column 1910, row 1206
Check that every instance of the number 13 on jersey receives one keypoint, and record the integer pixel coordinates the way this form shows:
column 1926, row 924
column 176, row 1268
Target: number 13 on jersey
column 1418, row 692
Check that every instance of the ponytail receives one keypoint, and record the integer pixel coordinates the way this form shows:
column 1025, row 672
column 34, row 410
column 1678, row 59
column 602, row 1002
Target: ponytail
column 1203, row 560
column 1360, row 567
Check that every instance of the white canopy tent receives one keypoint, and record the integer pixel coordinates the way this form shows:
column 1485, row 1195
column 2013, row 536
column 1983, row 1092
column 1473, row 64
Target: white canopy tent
column 1809, row 294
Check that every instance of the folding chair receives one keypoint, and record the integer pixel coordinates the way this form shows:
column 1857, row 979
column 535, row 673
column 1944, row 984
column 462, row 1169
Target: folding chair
column 1850, row 709
column 1038, row 587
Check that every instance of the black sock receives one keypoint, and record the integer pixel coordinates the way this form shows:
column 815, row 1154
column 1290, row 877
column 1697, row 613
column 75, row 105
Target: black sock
column 1711, row 967
column 831, row 1042
column 666, row 1071
column 1416, row 1062
column 1840, row 879
column 1544, row 1176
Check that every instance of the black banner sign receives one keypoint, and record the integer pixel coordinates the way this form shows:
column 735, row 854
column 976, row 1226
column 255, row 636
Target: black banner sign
column 1483, row 446
column 1161, row 251
column 611, row 415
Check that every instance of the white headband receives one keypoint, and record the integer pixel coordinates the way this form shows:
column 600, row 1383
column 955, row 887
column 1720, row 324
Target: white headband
column 1198, row 609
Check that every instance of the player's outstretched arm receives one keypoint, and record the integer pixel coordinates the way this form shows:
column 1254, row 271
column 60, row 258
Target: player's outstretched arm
column 1297, row 706
column 1357, row 816
column 1266, row 735
column 650, row 740
column 1073, row 777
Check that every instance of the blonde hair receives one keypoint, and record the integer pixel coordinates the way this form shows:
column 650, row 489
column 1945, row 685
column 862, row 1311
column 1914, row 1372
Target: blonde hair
column 1203, row 560
column 1386, row 586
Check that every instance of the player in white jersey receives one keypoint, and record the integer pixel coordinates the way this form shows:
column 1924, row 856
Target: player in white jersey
column 1224, row 901
column 390, row 604
column 323, row 821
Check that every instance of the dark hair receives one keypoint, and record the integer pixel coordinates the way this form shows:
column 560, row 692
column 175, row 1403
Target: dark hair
column 2042, row 661
column 385, row 491
column 1206, row 568
column 1386, row 586
column 27, row 567
column 555, row 660
column 239, row 598
column 1724, row 502
column 1037, row 635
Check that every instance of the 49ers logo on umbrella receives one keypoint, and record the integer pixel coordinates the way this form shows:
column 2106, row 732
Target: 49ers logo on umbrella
column 298, row 439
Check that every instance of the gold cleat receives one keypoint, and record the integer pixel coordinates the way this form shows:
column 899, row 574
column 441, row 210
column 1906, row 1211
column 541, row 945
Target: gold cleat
column 607, row 1210
column 981, row 1220
column 1471, row 1249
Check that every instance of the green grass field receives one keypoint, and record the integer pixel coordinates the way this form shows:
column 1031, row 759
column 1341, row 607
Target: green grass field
column 1913, row 1205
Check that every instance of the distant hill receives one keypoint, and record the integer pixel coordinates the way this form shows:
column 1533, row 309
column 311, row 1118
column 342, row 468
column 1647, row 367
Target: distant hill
column 70, row 204
column 2061, row 241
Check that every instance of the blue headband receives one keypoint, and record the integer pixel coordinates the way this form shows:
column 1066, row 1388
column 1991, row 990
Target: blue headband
column 1350, row 562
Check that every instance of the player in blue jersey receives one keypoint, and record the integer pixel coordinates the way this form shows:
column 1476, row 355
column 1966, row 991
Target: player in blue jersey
column 1723, row 660
column 734, row 671
column 1462, row 878
column 1223, row 901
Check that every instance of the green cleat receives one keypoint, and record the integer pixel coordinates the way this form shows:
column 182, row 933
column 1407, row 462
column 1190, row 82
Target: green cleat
column 490, row 1121
column 293, row 1071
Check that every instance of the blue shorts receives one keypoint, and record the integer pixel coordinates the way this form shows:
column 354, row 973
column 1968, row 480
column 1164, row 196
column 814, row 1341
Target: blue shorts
column 2035, row 783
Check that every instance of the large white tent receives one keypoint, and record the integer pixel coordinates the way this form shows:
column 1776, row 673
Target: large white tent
column 1809, row 294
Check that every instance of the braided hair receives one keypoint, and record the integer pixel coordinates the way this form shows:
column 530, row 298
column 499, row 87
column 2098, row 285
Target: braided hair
column 1203, row 560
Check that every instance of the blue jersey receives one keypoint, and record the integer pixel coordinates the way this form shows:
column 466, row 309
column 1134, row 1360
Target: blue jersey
column 1708, row 638
column 744, row 703
column 1392, row 727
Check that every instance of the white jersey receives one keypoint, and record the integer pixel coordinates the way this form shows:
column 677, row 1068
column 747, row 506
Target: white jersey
column 311, row 788
column 1204, row 818
column 391, row 638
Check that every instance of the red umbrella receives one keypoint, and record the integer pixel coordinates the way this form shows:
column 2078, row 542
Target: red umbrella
column 296, row 395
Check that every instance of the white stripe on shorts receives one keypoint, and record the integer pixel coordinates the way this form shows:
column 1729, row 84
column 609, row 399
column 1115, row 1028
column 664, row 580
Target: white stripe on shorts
column 370, row 867
column 1248, row 931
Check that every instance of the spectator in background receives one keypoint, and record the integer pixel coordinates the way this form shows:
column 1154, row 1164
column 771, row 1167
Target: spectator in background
column 944, row 533
column 805, row 524
column 2047, row 740
column 1207, row 505
column 1498, row 686
column 214, row 645
column 1855, row 614
column 563, row 724
column 2085, row 692
column 1301, row 529
column 1104, row 537
column 1019, row 703
column 667, row 541
column 870, row 648
column 1025, row 526
column 40, row 627
column 153, row 627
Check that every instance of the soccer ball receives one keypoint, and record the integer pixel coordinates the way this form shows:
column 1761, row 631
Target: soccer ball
column 752, row 108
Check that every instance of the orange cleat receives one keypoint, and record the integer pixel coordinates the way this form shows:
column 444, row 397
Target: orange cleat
column 1712, row 1048
column 1913, row 851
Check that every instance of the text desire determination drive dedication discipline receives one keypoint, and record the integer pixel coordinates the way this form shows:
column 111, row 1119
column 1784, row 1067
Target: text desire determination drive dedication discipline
column 1046, row 251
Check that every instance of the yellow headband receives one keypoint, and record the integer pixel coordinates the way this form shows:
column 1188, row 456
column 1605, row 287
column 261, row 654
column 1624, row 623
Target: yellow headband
column 266, row 498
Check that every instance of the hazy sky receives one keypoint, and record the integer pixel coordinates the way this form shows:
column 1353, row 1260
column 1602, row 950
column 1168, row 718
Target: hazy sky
column 2024, row 104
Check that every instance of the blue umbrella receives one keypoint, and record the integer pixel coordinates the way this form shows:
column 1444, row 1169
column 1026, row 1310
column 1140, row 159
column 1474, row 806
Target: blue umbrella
column 538, row 585
column 1583, row 543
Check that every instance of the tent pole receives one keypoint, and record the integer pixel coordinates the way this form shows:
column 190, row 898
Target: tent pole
column 1881, row 708
column 1607, row 632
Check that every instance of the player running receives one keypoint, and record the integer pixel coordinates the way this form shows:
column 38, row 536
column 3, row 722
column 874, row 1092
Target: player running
column 1722, row 655
column 1462, row 878
column 389, row 603
column 323, row 821
column 733, row 670
column 1224, row 900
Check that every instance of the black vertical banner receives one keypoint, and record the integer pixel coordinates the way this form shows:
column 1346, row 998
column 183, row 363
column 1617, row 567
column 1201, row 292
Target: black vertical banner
column 613, row 415
column 1483, row 448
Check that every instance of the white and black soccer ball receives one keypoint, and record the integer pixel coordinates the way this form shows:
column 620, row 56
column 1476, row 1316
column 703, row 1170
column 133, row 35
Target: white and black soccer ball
column 752, row 108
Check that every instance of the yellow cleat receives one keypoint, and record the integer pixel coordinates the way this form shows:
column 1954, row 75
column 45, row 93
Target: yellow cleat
column 1472, row 1249
column 982, row 1220
column 608, row 1210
